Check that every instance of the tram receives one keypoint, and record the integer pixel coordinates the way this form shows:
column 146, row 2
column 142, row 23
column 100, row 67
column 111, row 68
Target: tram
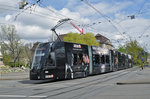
column 66, row 60
column 59, row 60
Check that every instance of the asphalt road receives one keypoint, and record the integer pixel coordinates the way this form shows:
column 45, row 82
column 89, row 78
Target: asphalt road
column 125, row 84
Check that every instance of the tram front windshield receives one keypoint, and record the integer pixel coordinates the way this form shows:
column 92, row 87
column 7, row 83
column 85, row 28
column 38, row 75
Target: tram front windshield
column 40, row 55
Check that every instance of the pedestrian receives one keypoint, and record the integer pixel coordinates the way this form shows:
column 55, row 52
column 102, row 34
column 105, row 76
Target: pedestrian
column 142, row 65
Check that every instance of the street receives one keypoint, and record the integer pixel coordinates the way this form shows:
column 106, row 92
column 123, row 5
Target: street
column 75, row 49
column 124, row 84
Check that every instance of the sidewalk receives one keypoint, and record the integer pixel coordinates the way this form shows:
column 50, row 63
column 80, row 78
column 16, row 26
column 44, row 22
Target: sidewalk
column 14, row 76
column 139, row 77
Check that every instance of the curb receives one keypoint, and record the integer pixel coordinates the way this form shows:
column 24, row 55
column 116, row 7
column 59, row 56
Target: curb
column 14, row 78
column 131, row 83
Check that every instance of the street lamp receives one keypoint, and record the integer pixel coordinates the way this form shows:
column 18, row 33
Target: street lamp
column 22, row 4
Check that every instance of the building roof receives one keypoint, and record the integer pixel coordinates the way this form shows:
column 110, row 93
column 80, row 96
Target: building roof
column 102, row 38
column 34, row 46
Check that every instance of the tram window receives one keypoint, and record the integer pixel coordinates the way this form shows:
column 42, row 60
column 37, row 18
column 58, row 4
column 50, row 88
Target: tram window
column 75, row 58
column 116, row 60
column 80, row 58
column 103, row 59
column 51, row 59
column 107, row 59
column 97, row 60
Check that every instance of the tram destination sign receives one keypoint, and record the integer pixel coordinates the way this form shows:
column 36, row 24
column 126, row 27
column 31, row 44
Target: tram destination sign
column 77, row 47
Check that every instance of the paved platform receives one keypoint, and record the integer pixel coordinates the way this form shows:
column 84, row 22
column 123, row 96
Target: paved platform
column 140, row 77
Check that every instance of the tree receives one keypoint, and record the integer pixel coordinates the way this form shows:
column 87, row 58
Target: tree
column 6, row 59
column 122, row 49
column 134, row 49
column 87, row 38
column 28, row 52
column 11, row 42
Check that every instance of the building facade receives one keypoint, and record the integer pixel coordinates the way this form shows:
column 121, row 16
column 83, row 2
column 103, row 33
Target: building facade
column 1, row 58
column 103, row 41
column 148, row 60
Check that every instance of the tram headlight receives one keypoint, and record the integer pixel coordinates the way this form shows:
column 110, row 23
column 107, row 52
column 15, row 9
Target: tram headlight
column 49, row 76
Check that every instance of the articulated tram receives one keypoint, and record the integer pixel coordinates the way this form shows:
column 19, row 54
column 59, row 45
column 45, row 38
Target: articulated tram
column 66, row 60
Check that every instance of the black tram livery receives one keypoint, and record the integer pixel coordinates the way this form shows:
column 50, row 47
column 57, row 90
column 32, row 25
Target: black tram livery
column 59, row 60
column 65, row 60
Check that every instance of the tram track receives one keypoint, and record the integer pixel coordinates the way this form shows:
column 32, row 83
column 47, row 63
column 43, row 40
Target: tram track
column 97, row 79
column 83, row 85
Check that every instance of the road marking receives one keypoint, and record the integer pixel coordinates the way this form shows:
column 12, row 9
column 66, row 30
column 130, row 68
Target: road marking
column 13, row 96
column 21, row 96
column 37, row 96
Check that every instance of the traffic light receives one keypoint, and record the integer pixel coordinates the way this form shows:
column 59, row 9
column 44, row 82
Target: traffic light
column 22, row 4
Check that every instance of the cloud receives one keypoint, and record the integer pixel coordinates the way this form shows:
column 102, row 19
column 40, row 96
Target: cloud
column 8, row 6
column 32, row 32
column 103, row 7
column 34, row 24
column 8, row 17
column 118, row 37
column 135, row 27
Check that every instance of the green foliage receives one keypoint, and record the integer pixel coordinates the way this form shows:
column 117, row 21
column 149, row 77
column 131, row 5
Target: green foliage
column 122, row 49
column 6, row 59
column 135, row 50
column 87, row 38
column 11, row 42
column 12, row 64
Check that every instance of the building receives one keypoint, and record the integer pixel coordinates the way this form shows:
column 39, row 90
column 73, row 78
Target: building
column 34, row 46
column 61, row 37
column 148, row 59
column 1, row 58
column 103, row 41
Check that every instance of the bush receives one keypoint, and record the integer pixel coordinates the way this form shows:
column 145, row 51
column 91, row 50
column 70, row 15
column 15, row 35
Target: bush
column 11, row 64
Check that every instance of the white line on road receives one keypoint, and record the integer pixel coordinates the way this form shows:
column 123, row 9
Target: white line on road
column 13, row 96
column 37, row 96
column 21, row 96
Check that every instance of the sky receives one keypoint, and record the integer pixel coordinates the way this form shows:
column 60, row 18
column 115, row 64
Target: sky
column 112, row 19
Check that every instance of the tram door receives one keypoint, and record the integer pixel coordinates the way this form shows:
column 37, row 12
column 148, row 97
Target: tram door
column 111, row 60
column 90, row 58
